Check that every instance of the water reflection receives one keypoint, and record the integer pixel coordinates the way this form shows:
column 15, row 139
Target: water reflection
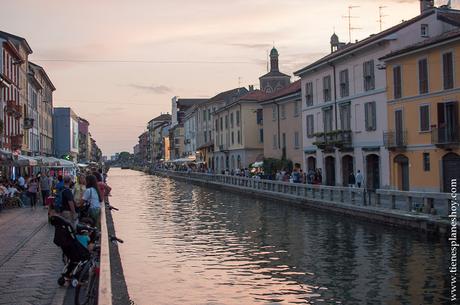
column 191, row 245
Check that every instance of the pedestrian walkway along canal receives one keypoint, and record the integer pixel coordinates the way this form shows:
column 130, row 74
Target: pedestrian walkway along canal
column 186, row 244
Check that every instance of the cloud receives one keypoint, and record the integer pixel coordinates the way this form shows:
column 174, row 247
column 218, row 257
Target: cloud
column 156, row 89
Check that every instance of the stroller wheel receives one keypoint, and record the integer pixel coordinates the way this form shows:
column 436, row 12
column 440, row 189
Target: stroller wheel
column 61, row 281
column 74, row 283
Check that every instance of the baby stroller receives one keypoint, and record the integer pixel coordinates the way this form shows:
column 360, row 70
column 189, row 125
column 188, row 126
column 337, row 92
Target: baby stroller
column 75, row 254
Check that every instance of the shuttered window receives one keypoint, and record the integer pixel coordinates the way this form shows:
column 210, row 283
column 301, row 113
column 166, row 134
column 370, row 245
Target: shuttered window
column 368, row 74
column 296, row 140
column 344, row 83
column 345, row 117
column 327, row 119
column 310, row 125
column 370, row 116
column 309, row 93
column 424, row 118
column 448, row 70
column 423, row 76
column 327, row 88
column 397, row 90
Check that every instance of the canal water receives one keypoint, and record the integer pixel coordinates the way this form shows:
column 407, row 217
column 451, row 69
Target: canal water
column 186, row 244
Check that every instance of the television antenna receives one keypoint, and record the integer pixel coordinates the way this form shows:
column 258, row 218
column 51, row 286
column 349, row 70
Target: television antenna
column 381, row 15
column 349, row 17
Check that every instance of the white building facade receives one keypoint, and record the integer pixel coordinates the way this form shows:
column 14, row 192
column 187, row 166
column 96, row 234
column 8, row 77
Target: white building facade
column 344, row 102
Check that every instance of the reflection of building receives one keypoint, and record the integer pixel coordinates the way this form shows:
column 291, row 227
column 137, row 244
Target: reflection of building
column 65, row 131
column 238, row 140
column 344, row 100
column 13, row 84
column 423, row 133
column 282, row 124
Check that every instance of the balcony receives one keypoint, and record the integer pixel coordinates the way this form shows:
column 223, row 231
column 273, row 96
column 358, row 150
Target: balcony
column 445, row 137
column 340, row 139
column 13, row 109
column 395, row 140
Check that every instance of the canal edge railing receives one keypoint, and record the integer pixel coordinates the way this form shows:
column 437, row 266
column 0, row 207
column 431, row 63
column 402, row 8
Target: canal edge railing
column 421, row 210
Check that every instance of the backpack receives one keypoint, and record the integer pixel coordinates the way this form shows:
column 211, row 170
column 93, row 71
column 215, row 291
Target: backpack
column 58, row 201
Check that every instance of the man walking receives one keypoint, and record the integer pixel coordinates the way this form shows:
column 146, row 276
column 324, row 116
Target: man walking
column 359, row 178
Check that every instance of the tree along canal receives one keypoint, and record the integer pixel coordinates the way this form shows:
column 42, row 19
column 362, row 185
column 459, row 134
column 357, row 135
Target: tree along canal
column 186, row 244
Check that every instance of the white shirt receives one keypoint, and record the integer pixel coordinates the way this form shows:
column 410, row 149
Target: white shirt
column 90, row 195
column 22, row 181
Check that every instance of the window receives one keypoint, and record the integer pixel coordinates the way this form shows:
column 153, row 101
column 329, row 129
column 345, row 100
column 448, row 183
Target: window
column 426, row 162
column 283, row 111
column 345, row 117
column 231, row 120
column 424, row 30
column 327, row 88
column 261, row 135
column 422, row 76
column 424, row 118
column 370, row 116
column 217, row 125
column 233, row 137
column 368, row 73
column 210, row 139
column 284, row 140
column 221, row 124
column 448, row 70
column 274, row 112
column 204, row 115
column 296, row 108
column 344, row 84
column 327, row 119
column 205, row 137
column 309, row 93
column 259, row 116
column 237, row 118
column 397, row 90
column 226, row 122
column 239, row 137
column 310, row 126
column 274, row 142
column 209, row 114
column 296, row 140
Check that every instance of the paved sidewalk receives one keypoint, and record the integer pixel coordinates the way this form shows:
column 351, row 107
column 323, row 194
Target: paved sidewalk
column 30, row 263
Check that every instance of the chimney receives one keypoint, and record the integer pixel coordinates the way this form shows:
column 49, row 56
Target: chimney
column 251, row 87
column 426, row 5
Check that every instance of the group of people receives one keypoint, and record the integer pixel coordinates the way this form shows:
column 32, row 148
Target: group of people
column 82, row 198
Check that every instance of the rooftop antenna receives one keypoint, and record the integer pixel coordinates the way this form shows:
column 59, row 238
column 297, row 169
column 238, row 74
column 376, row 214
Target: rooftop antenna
column 349, row 17
column 239, row 81
column 381, row 15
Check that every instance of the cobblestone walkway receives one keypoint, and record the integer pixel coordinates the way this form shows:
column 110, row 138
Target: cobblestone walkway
column 30, row 263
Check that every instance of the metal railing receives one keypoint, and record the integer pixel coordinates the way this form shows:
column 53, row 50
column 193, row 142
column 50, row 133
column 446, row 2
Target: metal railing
column 427, row 203
column 395, row 139
column 442, row 136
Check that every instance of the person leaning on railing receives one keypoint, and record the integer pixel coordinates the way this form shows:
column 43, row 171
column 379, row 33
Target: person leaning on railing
column 94, row 198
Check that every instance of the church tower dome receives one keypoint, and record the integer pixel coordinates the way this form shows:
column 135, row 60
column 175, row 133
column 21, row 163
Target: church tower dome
column 274, row 59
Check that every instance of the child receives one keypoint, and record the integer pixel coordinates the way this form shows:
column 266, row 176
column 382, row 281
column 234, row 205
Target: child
column 83, row 235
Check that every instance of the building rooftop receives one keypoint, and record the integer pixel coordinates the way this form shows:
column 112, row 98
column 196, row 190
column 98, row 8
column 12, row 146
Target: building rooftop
column 255, row 95
column 187, row 102
column 15, row 37
column 163, row 117
column 447, row 15
column 445, row 37
column 229, row 94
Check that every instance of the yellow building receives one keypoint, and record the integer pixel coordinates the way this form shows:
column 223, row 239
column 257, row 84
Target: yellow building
column 282, row 125
column 423, row 88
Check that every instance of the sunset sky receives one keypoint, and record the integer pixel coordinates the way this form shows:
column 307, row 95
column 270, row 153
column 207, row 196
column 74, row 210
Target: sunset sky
column 118, row 63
